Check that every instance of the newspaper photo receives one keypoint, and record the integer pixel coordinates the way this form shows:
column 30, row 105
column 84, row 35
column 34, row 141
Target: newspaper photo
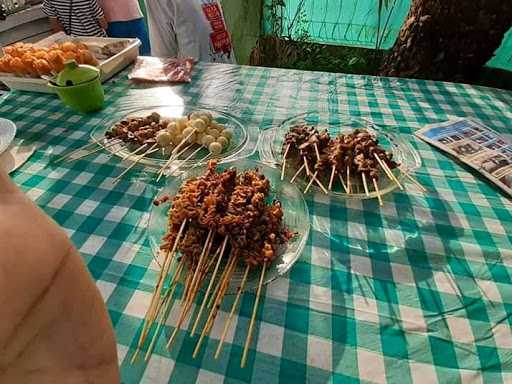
column 476, row 145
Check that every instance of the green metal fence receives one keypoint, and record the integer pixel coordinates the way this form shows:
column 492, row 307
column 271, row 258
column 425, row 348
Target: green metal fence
column 357, row 23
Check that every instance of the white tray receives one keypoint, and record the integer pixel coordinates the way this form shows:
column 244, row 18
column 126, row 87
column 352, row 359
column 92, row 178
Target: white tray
column 108, row 68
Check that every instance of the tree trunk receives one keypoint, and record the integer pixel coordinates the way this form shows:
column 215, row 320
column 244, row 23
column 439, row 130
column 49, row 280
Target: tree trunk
column 448, row 39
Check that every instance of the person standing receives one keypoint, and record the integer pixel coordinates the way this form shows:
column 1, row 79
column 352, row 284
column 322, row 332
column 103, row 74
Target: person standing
column 189, row 28
column 76, row 17
column 125, row 19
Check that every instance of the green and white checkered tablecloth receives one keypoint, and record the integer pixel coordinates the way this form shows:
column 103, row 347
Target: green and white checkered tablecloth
column 416, row 291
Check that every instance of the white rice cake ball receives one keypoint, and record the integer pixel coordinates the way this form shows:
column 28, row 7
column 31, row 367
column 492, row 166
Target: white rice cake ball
column 213, row 132
column 198, row 124
column 182, row 123
column 227, row 134
column 223, row 141
column 215, row 148
column 217, row 126
column 163, row 138
column 207, row 140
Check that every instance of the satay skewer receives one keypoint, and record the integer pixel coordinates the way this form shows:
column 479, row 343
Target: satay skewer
column 253, row 317
column 233, row 308
column 349, row 186
column 308, row 171
column 365, row 184
column 70, row 160
column 210, row 286
column 322, row 187
column 343, row 184
column 413, row 180
column 317, row 152
column 188, row 298
column 218, row 300
column 297, row 173
column 388, row 171
column 311, row 181
column 148, row 320
column 376, row 185
column 331, row 180
column 134, row 163
column 206, row 246
column 69, row 154
column 283, row 167
column 190, row 156
column 172, row 158
column 168, row 299
column 175, row 153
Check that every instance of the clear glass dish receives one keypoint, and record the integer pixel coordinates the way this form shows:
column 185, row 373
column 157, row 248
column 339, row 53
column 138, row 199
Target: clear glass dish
column 271, row 144
column 296, row 218
column 158, row 159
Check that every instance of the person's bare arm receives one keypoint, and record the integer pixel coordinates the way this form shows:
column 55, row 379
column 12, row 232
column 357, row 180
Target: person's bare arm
column 55, row 24
column 103, row 23
column 55, row 327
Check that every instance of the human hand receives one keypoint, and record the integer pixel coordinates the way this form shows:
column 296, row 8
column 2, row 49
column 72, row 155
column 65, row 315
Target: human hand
column 54, row 326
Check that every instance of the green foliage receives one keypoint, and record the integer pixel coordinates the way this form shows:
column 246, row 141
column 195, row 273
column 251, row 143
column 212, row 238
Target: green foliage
column 291, row 45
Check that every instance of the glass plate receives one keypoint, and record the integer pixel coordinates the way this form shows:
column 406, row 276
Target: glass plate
column 296, row 218
column 403, row 153
column 158, row 159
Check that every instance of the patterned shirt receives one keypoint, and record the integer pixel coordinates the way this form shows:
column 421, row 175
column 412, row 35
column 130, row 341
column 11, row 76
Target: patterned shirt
column 77, row 17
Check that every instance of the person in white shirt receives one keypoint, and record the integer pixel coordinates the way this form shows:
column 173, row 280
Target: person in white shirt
column 189, row 28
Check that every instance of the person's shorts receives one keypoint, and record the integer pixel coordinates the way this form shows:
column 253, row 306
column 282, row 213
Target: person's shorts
column 132, row 28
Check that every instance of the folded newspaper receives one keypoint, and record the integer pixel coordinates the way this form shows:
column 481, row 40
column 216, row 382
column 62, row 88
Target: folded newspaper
column 476, row 145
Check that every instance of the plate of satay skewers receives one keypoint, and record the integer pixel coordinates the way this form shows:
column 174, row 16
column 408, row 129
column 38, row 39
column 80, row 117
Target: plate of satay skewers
column 167, row 139
column 219, row 230
column 170, row 138
column 344, row 157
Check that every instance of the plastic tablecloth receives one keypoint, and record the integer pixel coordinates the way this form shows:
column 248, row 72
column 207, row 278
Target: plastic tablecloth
column 416, row 291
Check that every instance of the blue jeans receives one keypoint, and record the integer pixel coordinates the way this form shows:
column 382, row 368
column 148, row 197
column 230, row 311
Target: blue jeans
column 131, row 28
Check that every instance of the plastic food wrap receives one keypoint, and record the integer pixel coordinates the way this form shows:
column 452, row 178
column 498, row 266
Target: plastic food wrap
column 157, row 69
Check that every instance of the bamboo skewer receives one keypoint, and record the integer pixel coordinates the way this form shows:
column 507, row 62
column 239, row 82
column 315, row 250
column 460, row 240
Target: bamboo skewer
column 253, row 317
column 210, row 285
column 331, row 180
column 175, row 153
column 191, row 292
column 343, row 184
column 134, row 163
column 211, row 300
column 349, row 187
column 213, row 312
column 388, row 171
column 376, row 185
column 190, row 156
column 297, row 173
column 308, row 171
column 203, row 271
column 172, row 158
column 156, row 293
column 317, row 152
column 283, row 167
column 322, row 187
column 209, row 240
column 69, row 154
column 311, row 181
column 101, row 148
column 166, row 307
column 233, row 308
column 413, row 180
column 366, row 191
